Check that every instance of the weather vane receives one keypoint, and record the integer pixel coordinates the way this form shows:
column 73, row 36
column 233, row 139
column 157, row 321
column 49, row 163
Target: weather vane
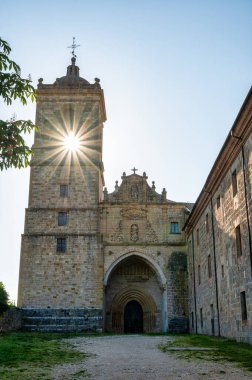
column 73, row 47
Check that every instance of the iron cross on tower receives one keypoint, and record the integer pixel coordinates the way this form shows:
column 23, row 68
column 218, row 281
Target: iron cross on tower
column 134, row 170
column 73, row 47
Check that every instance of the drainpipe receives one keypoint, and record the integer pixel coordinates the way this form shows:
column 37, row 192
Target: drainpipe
column 246, row 197
column 246, row 202
column 215, row 268
column 194, row 286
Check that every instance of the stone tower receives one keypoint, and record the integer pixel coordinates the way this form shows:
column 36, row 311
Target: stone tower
column 61, row 266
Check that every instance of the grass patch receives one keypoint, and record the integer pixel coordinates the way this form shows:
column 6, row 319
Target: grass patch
column 221, row 349
column 26, row 356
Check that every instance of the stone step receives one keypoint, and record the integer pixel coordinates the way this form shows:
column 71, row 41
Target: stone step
column 54, row 328
column 80, row 312
column 54, row 320
column 179, row 325
column 62, row 319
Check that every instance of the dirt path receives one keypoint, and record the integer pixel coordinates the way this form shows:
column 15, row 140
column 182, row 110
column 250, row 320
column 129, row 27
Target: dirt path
column 136, row 357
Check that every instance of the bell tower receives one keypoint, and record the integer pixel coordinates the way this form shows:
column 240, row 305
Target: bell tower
column 61, row 264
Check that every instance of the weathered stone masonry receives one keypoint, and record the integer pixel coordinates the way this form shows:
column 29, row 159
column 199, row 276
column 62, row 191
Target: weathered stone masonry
column 93, row 261
column 219, row 239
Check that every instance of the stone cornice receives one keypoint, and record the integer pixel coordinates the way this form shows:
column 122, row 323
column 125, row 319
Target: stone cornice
column 145, row 244
column 61, row 234
column 63, row 208
column 73, row 94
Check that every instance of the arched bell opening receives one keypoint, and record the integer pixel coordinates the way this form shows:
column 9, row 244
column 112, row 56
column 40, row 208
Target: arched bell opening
column 132, row 286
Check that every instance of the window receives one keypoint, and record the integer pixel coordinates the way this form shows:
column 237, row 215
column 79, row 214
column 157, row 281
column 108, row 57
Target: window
column 64, row 190
column 197, row 236
column 218, row 201
column 207, row 223
column 222, row 271
column 61, row 244
column 212, row 319
column 209, row 266
column 243, row 306
column 62, row 218
column 234, row 183
column 199, row 275
column 201, row 318
column 238, row 241
column 174, row 228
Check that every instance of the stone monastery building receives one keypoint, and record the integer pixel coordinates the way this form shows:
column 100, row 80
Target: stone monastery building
column 93, row 260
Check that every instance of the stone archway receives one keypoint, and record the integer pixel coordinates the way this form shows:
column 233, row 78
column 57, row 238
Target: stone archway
column 133, row 279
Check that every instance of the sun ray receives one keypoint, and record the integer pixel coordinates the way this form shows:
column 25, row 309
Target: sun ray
column 72, row 142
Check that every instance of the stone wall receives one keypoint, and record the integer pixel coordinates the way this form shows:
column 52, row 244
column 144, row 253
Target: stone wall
column 11, row 320
column 219, row 266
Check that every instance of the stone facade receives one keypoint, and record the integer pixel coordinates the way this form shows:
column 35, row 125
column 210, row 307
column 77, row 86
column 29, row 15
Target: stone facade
column 89, row 259
column 219, row 240
column 144, row 259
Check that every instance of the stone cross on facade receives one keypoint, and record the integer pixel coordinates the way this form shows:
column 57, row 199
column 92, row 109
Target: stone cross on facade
column 73, row 47
column 134, row 170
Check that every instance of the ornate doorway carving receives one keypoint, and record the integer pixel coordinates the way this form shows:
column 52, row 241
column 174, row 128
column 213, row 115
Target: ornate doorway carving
column 133, row 317
column 133, row 298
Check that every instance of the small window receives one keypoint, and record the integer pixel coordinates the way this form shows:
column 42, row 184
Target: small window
column 212, row 319
column 212, row 311
column 209, row 266
column 61, row 244
column 234, row 183
column 174, row 228
column 199, row 275
column 62, row 218
column 64, row 190
column 207, row 223
column 238, row 241
column 222, row 271
column 243, row 306
column 201, row 318
column 197, row 236
column 218, row 201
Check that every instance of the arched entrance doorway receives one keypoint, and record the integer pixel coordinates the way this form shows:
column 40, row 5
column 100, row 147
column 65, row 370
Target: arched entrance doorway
column 133, row 317
column 133, row 292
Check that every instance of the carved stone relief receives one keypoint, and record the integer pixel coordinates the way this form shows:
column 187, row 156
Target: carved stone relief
column 118, row 235
column 134, row 231
column 134, row 192
column 151, row 235
column 134, row 213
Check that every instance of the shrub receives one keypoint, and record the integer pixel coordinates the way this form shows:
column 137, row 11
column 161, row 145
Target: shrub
column 4, row 299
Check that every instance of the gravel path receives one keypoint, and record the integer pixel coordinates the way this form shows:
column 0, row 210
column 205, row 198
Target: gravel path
column 137, row 357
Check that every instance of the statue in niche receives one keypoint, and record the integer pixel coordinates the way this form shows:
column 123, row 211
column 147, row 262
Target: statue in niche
column 134, row 192
column 134, row 232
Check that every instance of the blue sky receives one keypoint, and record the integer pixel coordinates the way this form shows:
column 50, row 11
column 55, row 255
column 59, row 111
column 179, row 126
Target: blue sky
column 174, row 74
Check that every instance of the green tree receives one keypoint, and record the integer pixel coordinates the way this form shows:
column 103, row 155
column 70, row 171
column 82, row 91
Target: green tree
column 13, row 150
column 4, row 299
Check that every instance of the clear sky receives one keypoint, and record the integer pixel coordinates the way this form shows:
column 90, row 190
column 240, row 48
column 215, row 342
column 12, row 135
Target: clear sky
column 174, row 74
